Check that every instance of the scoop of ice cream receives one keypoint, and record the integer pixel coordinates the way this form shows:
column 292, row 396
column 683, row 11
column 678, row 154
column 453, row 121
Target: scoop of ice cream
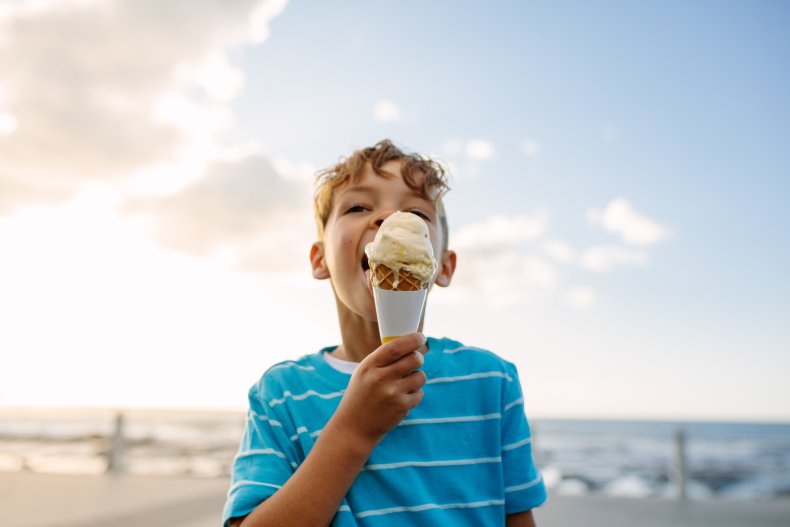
column 403, row 244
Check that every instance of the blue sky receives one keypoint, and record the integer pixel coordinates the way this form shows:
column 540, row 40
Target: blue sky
column 694, row 94
column 670, row 118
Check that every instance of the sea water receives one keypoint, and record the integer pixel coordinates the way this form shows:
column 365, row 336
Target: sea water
column 631, row 458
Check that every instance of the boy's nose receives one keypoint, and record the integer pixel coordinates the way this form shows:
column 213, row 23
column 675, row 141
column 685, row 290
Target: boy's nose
column 383, row 215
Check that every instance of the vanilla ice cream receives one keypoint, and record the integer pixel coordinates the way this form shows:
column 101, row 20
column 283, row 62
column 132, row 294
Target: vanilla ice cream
column 403, row 245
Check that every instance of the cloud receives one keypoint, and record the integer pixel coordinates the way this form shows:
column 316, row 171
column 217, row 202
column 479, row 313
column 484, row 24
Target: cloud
column 99, row 90
column 530, row 148
column 607, row 258
column 501, row 231
column 466, row 158
column 560, row 251
column 387, row 111
column 242, row 212
column 502, row 279
column 8, row 123
column 494, row 269
column 581, row 297
column 479, row 149
column 621, row 218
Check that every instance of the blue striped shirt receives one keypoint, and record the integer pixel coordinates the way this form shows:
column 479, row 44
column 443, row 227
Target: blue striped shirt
column 463, row 456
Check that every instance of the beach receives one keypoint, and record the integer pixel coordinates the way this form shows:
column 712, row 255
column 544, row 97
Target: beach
column 42, row 500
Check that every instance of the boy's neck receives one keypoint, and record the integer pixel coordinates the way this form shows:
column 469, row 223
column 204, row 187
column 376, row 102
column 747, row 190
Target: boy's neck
column 359, row 337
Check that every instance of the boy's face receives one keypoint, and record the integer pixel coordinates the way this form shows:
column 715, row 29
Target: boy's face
column 358, row 209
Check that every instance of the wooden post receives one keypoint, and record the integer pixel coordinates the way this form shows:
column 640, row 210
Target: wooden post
column 679, row 465
column 115, row 456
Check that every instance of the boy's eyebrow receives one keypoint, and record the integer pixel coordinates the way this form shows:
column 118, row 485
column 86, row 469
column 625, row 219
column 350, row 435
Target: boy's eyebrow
column 359, row 188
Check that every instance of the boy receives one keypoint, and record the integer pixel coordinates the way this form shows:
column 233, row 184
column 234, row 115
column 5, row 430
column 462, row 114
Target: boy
column 424, row 432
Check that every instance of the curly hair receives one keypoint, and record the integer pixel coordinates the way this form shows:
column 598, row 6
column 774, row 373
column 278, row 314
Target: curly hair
column 420, row 173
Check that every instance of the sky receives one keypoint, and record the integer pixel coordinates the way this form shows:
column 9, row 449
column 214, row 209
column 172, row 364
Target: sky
column 619, row 177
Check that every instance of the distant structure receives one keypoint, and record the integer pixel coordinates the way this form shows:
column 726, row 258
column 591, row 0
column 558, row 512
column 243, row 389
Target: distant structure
column 679, row 465
column 115, row 455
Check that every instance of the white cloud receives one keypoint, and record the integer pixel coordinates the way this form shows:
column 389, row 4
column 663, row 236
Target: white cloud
column 559, row 251
column 479, row 149
column 242, row 211
column 216, row 76
column 581, row 297
column 501, row 231
column 110, row 88
column 466, row 158
column 493, row 270
column 8, row 123
column 607, row 258
column 501, row 279
column 621, row 218
column 530, row 148
column 387, row 111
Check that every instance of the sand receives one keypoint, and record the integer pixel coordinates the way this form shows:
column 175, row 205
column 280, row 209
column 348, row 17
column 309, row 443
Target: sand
column 38, row 500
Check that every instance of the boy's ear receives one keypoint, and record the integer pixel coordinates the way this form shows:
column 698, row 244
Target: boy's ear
column 320, row 271
column 446, row 269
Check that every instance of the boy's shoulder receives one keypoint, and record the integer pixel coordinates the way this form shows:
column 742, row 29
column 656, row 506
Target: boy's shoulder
column 284, row 373
column 462, row 356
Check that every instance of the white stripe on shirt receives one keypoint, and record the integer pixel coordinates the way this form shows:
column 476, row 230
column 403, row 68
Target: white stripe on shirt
column 303, row 430
column 299, row 430
column 470, row 377
column 309, row 393
column 247, row 482
column 463, row 348
column 526, row 485
column 264, row 418
column 514, row 403
column 260, row 452
column 459, row 419
column 517, row 444
column 445, row 463
column 428, row 506
column 292, row 365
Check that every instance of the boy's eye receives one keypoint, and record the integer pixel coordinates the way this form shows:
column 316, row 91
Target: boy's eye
column 355, row 208
column 420, row 214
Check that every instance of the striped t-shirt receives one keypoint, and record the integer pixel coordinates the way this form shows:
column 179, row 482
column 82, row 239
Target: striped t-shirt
column 463, row 456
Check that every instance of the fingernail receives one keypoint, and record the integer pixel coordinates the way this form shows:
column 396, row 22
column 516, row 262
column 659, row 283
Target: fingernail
column 423, row 338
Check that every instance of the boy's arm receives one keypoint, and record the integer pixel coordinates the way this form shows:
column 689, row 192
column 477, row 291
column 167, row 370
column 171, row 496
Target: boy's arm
column 382, row 391
column 521, row 519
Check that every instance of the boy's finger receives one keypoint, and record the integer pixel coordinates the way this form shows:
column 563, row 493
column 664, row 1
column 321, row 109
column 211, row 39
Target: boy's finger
column 412, row 382
column 395, row 349
column 406, row 364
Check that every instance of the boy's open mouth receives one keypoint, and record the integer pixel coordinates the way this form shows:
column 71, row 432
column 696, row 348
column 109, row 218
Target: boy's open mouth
column 365, row 264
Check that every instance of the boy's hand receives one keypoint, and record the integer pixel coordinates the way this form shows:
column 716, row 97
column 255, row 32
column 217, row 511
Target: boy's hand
column 384, row 388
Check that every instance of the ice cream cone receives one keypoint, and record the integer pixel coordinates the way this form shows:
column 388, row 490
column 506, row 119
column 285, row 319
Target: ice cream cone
column 401, row 269
column 399, row 302
column 386, row 278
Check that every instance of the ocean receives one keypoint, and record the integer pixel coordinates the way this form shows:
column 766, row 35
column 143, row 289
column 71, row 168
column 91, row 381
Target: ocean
column 729, row 461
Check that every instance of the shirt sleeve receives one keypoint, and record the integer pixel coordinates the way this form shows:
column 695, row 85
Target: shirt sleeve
column 524, row 487
column 265, row 461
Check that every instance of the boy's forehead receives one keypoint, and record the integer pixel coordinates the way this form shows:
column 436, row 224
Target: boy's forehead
column 367, row 180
